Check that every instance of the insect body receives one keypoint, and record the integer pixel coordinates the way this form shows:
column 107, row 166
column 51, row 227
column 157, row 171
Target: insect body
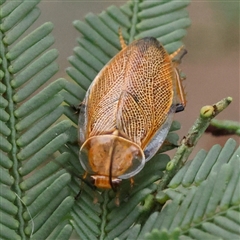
column 127, row 112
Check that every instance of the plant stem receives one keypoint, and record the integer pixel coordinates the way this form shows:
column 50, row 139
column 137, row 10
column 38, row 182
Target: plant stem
column 207, row 113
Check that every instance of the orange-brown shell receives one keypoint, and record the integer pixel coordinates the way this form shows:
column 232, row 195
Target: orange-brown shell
column 133, row 93
column 126, row 113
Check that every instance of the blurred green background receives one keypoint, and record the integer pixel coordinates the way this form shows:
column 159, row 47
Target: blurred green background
column 211, row 65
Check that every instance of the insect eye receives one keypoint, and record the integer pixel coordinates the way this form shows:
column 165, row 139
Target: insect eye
column 92, row 181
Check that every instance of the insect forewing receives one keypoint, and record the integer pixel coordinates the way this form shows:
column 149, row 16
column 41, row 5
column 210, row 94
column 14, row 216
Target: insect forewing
column 133, row 96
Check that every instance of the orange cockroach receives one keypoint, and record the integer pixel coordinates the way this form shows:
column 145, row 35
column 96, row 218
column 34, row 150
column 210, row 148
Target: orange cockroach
column 128, row 110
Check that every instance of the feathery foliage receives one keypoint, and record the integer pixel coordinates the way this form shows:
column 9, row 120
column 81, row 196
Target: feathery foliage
column 33, row 191
column 37, row 193
column 205, row 198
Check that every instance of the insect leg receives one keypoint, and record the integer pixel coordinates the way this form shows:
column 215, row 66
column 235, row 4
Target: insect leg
column 121, row 39
column 77, row 108
column 179, row 87
column 181, row 50
column 180, row 92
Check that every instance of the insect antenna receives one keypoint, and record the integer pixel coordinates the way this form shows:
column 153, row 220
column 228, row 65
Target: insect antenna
column 73, row 173
column 87, row 183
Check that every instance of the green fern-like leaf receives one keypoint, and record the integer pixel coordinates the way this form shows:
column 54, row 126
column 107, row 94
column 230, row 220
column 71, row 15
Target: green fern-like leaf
column 205, row 199
column 34, row 193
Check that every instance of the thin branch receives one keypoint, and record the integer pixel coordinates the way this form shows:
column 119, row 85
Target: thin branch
column 207, row 113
